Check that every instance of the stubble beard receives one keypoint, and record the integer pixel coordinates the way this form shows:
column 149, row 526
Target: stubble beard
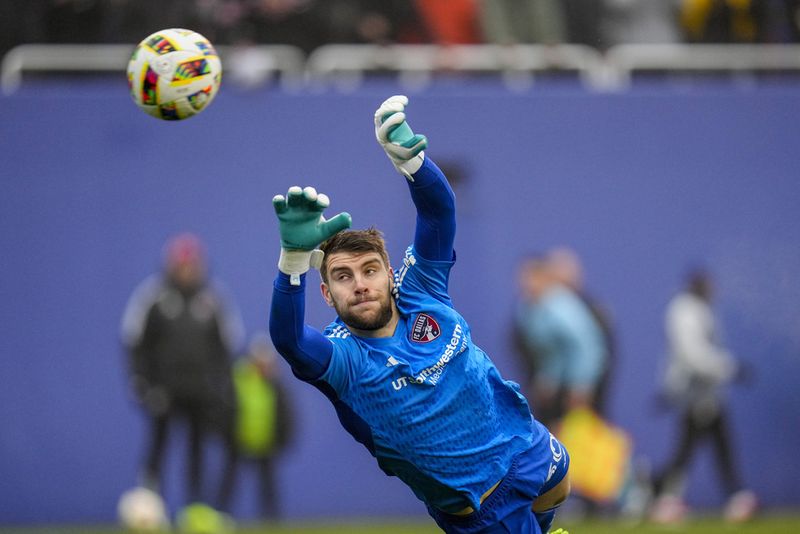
column 367, row 324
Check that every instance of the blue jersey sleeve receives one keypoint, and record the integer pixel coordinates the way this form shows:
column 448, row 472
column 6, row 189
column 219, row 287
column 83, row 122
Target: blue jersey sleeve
column 419, row 278
column 345, row 363
column 436, row 213
column 306, row 349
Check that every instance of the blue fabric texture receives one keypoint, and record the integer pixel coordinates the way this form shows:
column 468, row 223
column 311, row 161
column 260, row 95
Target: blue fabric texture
column 507, row 510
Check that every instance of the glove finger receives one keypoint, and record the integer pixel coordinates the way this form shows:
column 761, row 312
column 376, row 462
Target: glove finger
column 393, row 103
column 387, row 109
column 381, row 117
column 401, row 153
column 402, row 99
column 389, row 125
column 310, row 196
column 294, row 197
column 421, row 145
column 415, row 142
column 315, row 201
column 336, row 224
column 279, row 203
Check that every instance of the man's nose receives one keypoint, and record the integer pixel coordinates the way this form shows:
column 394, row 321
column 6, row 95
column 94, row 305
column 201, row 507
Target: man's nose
column 360, row 284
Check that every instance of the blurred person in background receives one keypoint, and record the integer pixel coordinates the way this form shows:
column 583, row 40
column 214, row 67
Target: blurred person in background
column 699, row 369
column 130, row 21
column 583, row 21
column 784, row 21
column 20, row 22
column 450, row 22
column 567, row 269
column 560, row 330
column 641, row 22
column 74, row 21
column 265, row 421
column 369, row 22
column 287, row 22
column 180, row 332
column 510, row 22
column 308, row 24
column 725, row 21
column 531, row 278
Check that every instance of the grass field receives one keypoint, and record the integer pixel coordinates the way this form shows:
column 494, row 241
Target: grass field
column 785, row 524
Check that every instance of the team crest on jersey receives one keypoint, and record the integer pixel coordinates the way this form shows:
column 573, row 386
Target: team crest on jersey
column 425, row 329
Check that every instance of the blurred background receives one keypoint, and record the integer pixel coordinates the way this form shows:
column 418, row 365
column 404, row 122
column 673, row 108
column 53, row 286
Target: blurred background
column 649, row 137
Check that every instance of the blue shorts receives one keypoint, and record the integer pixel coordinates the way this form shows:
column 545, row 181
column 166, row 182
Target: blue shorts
column 508, row 509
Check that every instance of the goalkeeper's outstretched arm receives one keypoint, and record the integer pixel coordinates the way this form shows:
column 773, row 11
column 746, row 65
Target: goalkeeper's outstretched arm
column 302, row 229
column 432, row 195
column 306, row 350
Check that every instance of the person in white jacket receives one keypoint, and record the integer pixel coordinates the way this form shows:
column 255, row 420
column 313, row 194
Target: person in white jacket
column 698, row 370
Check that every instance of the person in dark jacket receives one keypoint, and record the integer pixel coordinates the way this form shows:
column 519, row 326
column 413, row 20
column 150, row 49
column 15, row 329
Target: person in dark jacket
column 180, row 333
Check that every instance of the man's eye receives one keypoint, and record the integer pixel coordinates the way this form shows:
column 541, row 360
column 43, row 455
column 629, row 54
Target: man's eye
column 342, row 277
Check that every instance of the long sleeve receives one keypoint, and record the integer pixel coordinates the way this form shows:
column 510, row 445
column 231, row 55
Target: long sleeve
column 306, row 349
column 136, row 334
column 436, row 213
column 231, row 325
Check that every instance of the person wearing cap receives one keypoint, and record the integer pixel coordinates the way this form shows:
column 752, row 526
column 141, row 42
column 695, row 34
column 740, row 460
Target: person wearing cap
column 180, row 331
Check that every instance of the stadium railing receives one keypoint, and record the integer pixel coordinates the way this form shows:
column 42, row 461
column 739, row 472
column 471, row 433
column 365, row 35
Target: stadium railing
column 345, row 66
column 263, row 61
column 624, row 61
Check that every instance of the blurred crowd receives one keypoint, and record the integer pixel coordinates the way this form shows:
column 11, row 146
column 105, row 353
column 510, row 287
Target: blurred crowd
column 309, row 24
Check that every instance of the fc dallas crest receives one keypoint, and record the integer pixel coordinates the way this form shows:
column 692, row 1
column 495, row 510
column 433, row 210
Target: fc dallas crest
column 425, row 329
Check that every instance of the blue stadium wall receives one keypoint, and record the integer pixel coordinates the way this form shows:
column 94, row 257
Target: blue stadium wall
column 642, row 184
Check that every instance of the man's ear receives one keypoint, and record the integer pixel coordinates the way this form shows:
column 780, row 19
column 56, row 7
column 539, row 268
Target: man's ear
column 326, row 294
column 391, row 274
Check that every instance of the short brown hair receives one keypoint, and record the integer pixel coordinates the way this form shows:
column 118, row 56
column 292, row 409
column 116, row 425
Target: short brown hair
column 353, row 241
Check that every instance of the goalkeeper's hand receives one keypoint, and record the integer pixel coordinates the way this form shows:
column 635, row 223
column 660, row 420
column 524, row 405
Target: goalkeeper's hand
column 404, row 148
column 303, row 228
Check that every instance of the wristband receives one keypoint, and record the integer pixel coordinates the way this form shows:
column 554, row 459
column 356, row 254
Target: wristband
column 297, row 262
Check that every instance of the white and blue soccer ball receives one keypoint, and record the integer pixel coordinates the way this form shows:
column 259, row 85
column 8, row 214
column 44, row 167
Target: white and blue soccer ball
column 142, row 510
column 174, row 74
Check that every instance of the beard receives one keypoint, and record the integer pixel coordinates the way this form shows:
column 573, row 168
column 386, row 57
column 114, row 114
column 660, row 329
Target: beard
column 367, row 322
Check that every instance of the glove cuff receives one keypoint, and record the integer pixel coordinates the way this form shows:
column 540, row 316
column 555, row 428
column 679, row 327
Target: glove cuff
column 297, row 262
column 409, row 167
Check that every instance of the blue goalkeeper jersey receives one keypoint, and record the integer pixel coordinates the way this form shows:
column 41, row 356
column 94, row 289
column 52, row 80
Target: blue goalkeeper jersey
column 427, row 402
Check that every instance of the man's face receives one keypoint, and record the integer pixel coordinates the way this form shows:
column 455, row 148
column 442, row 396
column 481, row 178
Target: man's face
column 534, row 280
column 188, row 274
column 359, row 288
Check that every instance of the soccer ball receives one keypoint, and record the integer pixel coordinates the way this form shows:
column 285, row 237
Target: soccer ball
column 142, row 510
column 174, row 74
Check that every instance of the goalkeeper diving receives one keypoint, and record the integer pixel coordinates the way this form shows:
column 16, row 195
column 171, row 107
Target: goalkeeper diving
column 398, row 362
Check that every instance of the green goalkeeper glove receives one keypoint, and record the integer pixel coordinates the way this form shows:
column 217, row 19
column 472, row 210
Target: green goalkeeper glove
column 303, row 228
column 404, row 148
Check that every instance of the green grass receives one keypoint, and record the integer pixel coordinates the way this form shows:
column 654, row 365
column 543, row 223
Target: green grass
column 785, row 524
